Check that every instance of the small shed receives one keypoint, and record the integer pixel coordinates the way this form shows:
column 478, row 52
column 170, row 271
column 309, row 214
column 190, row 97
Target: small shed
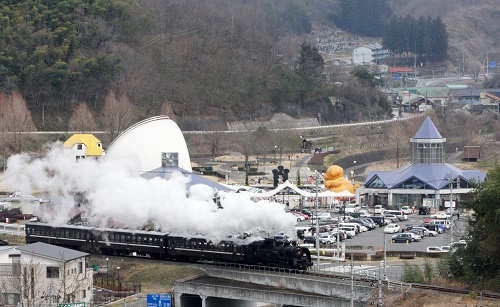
column 471, row 153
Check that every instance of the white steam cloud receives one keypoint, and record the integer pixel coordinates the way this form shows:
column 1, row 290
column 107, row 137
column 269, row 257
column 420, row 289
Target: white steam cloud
column 117, row 196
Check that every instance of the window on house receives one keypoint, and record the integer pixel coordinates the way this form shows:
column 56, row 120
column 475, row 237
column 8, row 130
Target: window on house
column 80, row 267
column 12, row 298
column 52, row 272
column 83, row 294
column 79, row 146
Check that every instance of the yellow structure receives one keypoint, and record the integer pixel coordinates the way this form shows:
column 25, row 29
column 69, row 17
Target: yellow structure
column 335, row 181
column 84, row 145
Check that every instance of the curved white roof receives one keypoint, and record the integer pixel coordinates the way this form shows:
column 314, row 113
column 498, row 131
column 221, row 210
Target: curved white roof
column 147, row 140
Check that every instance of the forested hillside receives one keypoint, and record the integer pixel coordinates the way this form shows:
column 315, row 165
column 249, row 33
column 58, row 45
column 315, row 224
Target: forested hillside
column 225, row 59
column 104, row 64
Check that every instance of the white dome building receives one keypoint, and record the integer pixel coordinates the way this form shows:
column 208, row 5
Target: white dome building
column 154, row 142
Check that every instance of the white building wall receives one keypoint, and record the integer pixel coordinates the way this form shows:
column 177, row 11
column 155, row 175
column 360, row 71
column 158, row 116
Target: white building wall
column 70, row 279
column 362, row 55
column 144, row 142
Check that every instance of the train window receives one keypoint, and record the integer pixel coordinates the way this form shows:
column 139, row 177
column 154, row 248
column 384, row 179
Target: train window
column 66, row 235
column 122, row 239
column 52, row 233
column 71, row 234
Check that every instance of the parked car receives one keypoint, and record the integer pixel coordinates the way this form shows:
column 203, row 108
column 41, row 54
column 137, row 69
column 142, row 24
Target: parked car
column 423, row 210
column 378, row 209
column 338, row 209
column 435, row 249
column 391, row 217
column 414, row 237
column 350, row 231
column 406, row 227
column 400, row 214
column 34, row 219
column 364, row 223
column 352, row 208
column 440, row 215
column 310, row 240
column 402, row 238
column 298, row 216
column 434, row 227
column 380, row 220
column 327, row 239
column 445, row 223
column 391, row 228
column 426, row 232
column 407, row 210
column 303, row 211
column 418, row 232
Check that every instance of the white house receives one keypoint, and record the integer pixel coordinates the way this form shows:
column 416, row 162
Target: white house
column 41, row 274
column 367, row 54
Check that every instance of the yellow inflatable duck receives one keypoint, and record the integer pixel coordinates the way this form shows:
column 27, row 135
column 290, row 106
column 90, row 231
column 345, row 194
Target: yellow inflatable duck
column 335, row 181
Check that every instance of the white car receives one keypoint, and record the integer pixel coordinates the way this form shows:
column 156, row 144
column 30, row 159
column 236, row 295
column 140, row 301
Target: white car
column 327, row 239
column 350, row 231
column 440, row 215
column 435, row 249
column 392, row 228
column 414, row 236
column 299, row 217
column 427, row 232
column 407, row 210
column 352, row 208
column 391, row 217
column 379, row 209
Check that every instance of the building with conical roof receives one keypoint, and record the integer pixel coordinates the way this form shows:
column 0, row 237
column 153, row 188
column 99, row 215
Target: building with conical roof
column 426, row 181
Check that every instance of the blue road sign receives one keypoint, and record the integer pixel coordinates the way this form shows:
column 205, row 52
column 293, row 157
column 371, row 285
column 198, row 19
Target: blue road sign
column 397, row 77
column 158, row 300
column 493, row 64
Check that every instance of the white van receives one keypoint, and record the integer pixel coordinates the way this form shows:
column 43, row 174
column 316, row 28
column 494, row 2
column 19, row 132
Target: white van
column 349, row 229
column 355, row 225
column 445, row 223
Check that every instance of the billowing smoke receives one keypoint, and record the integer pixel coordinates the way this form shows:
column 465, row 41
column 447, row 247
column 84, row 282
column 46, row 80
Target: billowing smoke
column 116, row 195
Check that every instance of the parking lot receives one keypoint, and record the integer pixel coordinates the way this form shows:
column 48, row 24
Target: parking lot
column 373, row 240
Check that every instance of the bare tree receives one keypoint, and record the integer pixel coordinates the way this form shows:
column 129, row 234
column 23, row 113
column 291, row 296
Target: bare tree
column 117, row 114
column 82, row 119
column 20, row 286
column 72, row 280
column 15, row 119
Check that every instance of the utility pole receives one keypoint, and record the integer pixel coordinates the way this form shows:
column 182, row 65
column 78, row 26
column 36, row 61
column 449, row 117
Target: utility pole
column 380, row 303
column 317, row 219
column 451, row 209
column 352, row 283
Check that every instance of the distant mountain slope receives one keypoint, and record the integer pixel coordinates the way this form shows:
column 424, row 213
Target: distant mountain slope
column 472, row 25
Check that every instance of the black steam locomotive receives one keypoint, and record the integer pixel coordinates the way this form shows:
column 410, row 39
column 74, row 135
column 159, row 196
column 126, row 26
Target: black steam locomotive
column 160, row 245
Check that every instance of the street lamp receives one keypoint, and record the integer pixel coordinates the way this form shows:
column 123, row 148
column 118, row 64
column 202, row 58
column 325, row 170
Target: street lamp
column 107, row 280
column 352, row 177
column 317, row 219
column 275, row 150
column 119, row 286
column 354, row 171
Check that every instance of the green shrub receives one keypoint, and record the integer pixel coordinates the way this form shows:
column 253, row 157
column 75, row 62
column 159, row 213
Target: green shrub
column 412, row 273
